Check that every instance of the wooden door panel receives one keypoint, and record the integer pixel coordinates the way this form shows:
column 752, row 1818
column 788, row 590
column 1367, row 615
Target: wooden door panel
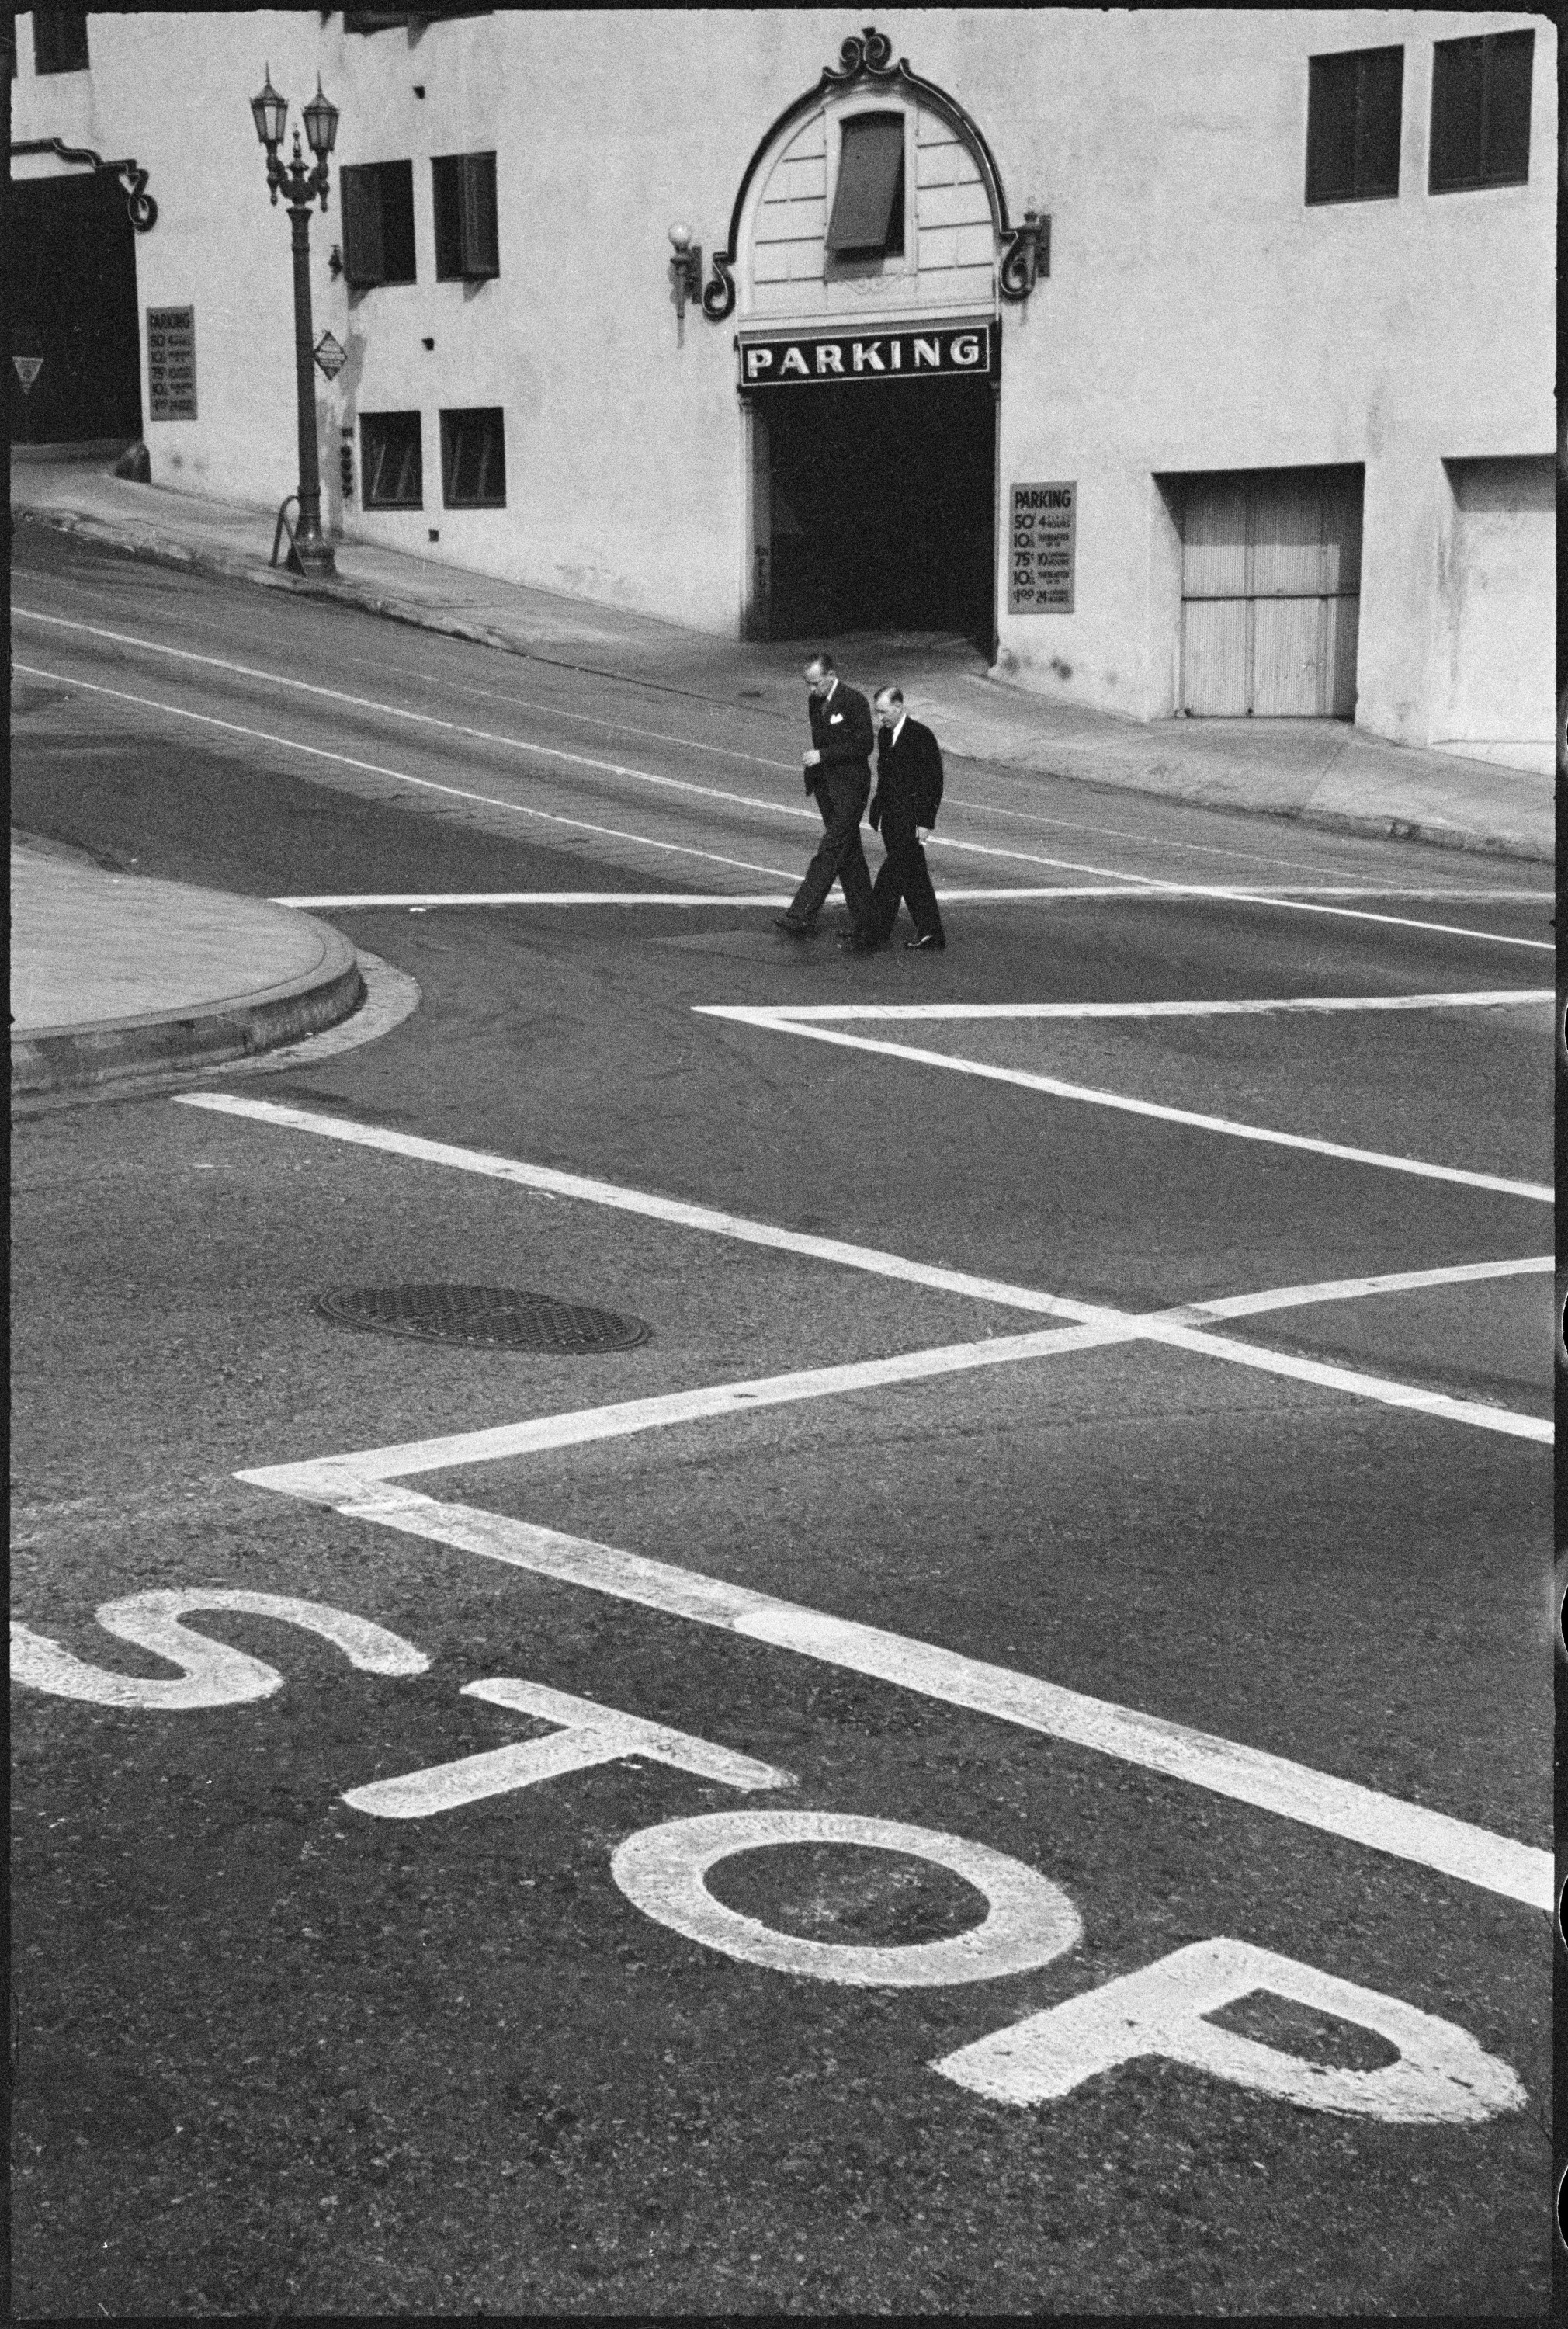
column 1214, row 658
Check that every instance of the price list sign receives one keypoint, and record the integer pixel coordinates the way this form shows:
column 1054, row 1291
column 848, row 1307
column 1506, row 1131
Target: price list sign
column 171, row 363
column 1042, row 548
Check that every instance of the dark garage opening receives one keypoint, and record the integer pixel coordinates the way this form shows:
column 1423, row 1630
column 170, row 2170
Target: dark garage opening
column 70, row 299
column 882, row 498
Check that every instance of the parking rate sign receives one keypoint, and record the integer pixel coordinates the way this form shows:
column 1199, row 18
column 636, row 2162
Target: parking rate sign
column 1042, row 549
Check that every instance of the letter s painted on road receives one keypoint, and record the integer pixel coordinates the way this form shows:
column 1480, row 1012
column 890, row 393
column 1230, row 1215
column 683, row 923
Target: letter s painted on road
column 212, row 1675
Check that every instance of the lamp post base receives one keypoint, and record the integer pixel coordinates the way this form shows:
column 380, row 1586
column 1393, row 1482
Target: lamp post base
column 313, row 557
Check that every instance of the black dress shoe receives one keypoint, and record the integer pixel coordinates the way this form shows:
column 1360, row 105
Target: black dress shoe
column 796, row 930
column 929, row 944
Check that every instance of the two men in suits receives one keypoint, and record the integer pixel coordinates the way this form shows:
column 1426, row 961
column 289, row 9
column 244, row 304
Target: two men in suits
column 838, row 771
column 909, row 795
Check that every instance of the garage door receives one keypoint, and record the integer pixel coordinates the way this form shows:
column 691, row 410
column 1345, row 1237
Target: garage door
column 1271, row 585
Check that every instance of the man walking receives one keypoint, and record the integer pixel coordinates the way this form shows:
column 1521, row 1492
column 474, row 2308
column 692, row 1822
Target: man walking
column 838, row 770
column 909, row 795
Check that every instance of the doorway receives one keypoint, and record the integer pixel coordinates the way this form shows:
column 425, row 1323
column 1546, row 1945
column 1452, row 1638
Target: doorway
column 880, row 508
column 70, row 299
column 1271, row 593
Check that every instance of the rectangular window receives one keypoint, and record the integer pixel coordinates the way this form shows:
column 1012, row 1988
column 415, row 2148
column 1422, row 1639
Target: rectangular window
column 474, row 458
column 59, row 40
column 466, row 243
column 390, row 460
column 1480, row 112
column 378, row 207
column 1353, row 121
column 868, row 219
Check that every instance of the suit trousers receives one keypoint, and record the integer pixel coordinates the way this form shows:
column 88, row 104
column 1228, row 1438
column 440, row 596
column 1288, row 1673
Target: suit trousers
column 904, row 874
column 841, row 794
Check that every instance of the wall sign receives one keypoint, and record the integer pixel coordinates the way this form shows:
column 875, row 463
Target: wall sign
column 171, row 363
column 1043, row 522
column 969, row 352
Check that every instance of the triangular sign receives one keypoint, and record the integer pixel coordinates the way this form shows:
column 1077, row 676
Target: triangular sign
column 27, row 369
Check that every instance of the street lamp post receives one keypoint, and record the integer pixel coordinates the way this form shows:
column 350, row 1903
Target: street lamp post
column 312, row 551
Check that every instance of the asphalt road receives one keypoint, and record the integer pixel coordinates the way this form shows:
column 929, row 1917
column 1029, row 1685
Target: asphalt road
column 1228, row 1630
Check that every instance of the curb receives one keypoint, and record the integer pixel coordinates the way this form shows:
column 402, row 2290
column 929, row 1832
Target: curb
column 123, row 1052
column 344, row 592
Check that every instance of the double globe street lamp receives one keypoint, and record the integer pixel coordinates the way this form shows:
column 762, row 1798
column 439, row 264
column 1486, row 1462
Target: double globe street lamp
column 312, row 551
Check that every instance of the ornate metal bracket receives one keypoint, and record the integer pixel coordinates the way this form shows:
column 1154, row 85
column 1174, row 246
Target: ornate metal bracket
column 140, row 208
column 1026, row 249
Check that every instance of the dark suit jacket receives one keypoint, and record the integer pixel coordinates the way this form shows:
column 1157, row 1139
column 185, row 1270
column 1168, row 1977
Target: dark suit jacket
column 841, row 731
column 908, row 776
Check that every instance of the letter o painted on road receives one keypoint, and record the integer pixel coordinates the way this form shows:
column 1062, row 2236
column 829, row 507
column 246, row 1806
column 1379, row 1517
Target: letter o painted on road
column 1030, row 1920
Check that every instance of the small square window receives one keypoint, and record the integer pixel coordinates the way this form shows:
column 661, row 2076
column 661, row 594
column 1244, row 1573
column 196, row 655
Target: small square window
column 1353, row 103
column 390, row 460
column 1480, row 112
column 466, row 242
column 868, row 219
column 474, row 458
column 377, row 211
column 59, row 40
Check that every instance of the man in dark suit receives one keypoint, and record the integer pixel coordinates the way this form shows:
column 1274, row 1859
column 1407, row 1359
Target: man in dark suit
column 909, row 795
column 838, row 769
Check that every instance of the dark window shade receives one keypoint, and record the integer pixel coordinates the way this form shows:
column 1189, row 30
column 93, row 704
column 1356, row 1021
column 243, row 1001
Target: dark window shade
column 1353, row 104
column 466, row 239
column 378, row 208
column 868, row 200
column 1480, row 112
column 59, row 40
column 391, row 461
column 474, row 458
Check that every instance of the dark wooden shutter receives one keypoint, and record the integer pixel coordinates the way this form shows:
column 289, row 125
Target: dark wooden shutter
column 476, row 199
column 1507, row 129
column 1458, row 103
column 445, row 173
column 1380, row 87
column 871, row 175
column 363, row 258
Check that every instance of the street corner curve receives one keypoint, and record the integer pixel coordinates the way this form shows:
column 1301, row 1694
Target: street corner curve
column 70, row 1063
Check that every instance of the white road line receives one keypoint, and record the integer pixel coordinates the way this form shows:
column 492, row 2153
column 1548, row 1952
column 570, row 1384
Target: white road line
column 1148, row 1327
column 588, row 1425
column 1540, row 1193
column 1015, row 891
column 1271, row 1783
column 1470, row 998
column 1351, row 1289
column 398, row 775
column 674, row 784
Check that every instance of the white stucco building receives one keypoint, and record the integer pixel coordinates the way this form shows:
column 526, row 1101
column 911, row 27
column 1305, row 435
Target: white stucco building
column 1228, row 335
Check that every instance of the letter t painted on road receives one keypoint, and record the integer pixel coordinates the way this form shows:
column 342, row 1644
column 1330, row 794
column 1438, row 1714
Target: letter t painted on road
column 589, row 1734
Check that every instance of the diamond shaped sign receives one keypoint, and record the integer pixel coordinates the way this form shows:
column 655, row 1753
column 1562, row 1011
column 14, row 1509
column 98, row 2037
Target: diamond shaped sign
column 330, row 355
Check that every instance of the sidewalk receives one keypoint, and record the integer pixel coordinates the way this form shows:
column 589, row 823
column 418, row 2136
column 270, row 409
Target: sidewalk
column 1323, row 772
column 114, row 978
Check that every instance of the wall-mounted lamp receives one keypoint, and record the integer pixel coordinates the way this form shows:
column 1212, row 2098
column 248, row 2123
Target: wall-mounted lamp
column 686, row 275
column 1034, row 246
column 334, row 259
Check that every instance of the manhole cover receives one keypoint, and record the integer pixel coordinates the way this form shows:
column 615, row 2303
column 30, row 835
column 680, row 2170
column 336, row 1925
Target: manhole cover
column 481, row 1317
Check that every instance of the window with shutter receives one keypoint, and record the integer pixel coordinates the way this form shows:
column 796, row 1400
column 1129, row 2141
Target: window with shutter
column 466, row 242
column 378, row 207
column 59, row 40
column 867, row 217
column 1480, row 112
column 391, row 461
column 1354, row 105
column 474, row 458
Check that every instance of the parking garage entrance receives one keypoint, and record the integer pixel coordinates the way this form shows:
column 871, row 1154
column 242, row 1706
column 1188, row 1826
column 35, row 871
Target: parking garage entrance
column 873, row 484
